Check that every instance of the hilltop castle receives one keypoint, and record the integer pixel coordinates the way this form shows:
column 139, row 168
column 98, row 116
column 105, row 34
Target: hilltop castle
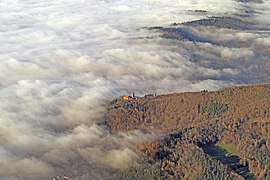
column 126, row 97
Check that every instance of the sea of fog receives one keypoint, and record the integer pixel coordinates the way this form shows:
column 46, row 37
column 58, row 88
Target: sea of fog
column 62, row 60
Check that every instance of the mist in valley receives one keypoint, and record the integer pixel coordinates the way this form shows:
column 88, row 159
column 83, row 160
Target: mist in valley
column 61, row 61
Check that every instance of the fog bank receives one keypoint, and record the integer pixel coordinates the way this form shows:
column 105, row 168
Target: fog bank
column 62, row 60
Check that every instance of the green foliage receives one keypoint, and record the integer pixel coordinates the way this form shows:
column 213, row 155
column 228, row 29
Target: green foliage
column 231, row 148
column 138, row 172
column 212, row 169
column 263, row 156
column 216, row 108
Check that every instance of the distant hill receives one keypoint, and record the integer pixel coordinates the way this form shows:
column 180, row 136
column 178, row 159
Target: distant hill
column 238, row 118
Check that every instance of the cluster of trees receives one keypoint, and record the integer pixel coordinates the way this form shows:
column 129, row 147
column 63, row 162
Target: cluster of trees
column 239, row 116
column 178, row 159
column 138, row 172
column 216, row 108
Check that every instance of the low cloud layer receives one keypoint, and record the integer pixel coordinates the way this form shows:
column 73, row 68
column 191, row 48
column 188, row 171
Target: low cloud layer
column 61, row 61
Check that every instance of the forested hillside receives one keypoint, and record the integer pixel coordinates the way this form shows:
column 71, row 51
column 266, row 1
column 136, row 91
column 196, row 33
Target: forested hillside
column 233, row 121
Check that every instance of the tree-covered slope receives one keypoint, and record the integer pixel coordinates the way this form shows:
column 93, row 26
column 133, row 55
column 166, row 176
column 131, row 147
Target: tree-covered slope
column 236, row 117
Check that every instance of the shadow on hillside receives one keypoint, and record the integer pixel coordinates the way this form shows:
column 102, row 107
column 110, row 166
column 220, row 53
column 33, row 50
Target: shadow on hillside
column 232, row 161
